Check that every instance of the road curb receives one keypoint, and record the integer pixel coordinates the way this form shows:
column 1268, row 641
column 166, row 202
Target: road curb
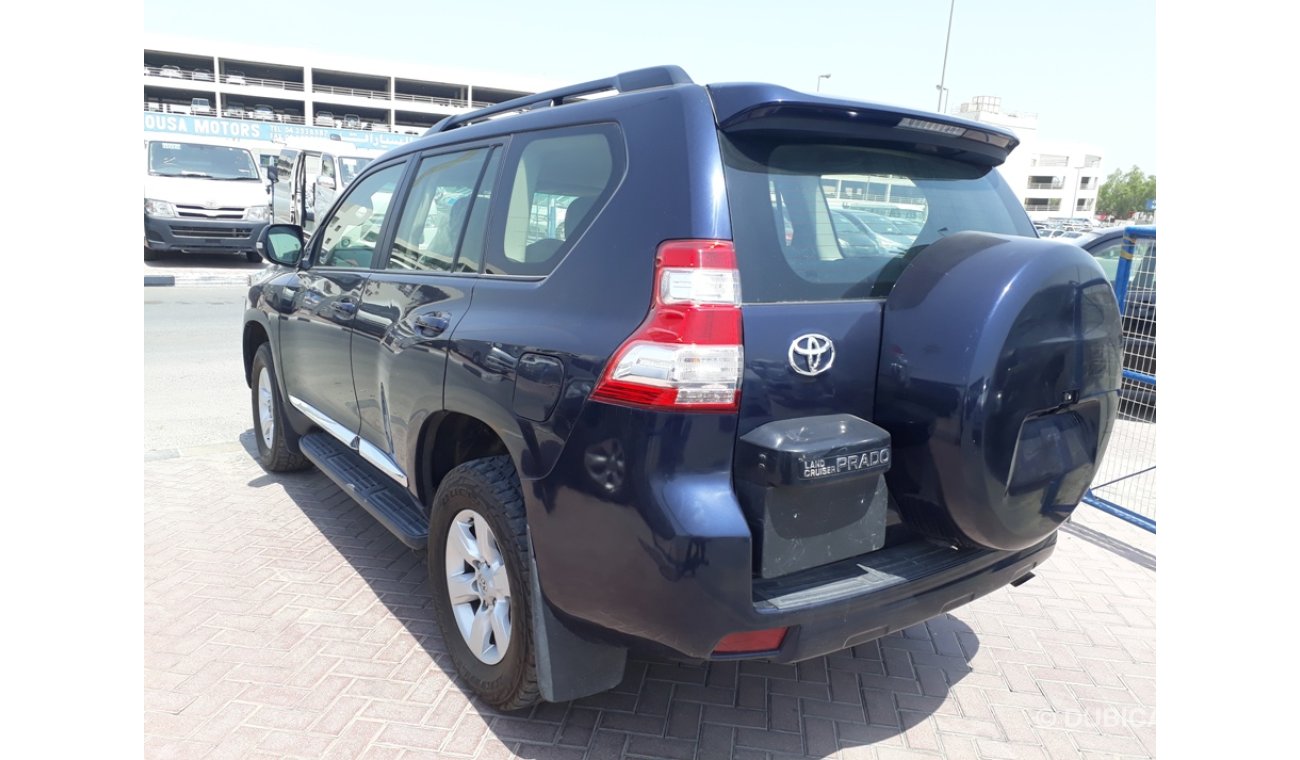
column 168, row 280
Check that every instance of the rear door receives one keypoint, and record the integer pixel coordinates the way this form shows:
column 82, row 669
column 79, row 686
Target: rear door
column 813, row 286
column 415, row 298
column 810, row 459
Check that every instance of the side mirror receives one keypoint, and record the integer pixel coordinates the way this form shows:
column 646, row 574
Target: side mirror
column 281, row 243
column 325, row 182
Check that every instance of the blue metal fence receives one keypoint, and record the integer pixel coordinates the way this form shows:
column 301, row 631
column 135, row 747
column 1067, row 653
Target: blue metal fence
column 1125, row 485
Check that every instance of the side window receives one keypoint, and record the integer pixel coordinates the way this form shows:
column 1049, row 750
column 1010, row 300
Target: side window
column 1108, row 256
column 433, row 220
column 471, row 247
column 327, row 166
column 348, row 238
column 555, row 181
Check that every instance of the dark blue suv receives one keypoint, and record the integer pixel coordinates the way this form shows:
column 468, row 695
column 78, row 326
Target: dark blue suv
column 616, row 365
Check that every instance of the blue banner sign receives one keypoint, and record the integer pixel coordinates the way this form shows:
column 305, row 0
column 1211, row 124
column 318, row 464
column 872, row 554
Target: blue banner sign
column 239, row 129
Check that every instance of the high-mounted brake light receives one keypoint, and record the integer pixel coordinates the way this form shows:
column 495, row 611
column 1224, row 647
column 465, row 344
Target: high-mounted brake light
column 687, row 355
column 931, row 126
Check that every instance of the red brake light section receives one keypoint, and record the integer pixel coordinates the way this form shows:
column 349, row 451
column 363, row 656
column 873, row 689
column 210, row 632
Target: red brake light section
column 688, row 354
column 751, row 641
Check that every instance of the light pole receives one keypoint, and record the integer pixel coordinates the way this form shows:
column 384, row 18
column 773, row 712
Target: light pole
column 944, row 73
column 820, row 77
column 1074, row 201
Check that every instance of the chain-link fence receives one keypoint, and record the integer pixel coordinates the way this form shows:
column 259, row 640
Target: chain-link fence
column 1125, row 485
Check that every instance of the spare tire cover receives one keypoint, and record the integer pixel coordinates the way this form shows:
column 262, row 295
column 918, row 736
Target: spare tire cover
column 998, row 381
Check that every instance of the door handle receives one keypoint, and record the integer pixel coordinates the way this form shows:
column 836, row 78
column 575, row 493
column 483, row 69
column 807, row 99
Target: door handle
column 344, row 308
column 431, row 325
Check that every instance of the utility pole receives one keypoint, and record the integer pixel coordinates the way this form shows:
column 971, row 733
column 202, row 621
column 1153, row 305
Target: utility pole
column 944, row 73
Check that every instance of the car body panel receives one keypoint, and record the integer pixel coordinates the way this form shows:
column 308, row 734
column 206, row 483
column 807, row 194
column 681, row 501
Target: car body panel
column 634, row 521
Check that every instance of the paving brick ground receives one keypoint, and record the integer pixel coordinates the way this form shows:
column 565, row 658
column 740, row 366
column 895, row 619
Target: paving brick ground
column 281, row 620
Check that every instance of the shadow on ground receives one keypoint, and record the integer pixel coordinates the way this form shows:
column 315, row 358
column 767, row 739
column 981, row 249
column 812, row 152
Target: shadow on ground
column 1117, row 547
column 862, row 696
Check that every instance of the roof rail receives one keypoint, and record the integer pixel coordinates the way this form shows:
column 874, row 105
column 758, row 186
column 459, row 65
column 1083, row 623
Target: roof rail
column 628, row 81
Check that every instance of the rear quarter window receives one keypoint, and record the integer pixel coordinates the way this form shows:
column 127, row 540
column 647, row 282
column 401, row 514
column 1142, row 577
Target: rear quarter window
column 825, row 221
column 555, row 182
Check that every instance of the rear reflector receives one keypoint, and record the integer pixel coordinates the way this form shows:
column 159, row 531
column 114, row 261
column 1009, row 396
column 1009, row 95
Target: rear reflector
column 751, row 641
column 687, row 355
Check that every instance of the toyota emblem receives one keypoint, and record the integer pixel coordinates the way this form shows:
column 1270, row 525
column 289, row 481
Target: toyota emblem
column 812, row 354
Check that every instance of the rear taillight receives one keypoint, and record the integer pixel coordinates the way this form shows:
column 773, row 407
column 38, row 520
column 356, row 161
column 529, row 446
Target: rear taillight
column 687, row 355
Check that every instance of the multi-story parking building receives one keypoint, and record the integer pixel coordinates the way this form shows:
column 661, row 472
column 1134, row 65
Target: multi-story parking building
column 268, row 95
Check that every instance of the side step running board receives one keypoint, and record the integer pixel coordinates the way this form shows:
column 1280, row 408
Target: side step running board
column 390, row 504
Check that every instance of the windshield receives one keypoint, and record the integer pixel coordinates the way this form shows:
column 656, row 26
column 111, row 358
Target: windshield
column 350, row 167
column 795, row 214
column 172, row 159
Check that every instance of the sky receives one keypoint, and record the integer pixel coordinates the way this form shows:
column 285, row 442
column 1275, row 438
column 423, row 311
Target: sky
column 1087, row 69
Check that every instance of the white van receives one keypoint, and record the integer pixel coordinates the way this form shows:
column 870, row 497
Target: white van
column 202, row 196
column 310, row 174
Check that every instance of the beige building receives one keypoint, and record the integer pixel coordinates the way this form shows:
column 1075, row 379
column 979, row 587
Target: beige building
column 1053, row 179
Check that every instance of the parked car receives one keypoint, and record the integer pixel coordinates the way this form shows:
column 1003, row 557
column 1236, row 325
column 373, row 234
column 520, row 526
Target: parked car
column 684, row 431
column 324, row 119
column 1138, row 398
column 857, row 238
column 173, row 72
column 263, row 112
column 897, row 230
column 203, row 75
column 235, row 77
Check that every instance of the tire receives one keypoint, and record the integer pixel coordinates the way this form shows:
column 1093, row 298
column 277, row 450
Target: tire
column 277, row 449
column 485, row 492
column 253, row 257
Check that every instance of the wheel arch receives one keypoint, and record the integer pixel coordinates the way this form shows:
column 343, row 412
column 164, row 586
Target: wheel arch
column 448, row 439
column 255, row 334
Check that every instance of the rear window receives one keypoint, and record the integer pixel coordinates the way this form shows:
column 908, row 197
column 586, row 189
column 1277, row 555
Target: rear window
column 825, row 222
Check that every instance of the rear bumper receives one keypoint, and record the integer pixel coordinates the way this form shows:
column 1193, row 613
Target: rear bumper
column 819, row 629
column 663, row 554
column 175, row 234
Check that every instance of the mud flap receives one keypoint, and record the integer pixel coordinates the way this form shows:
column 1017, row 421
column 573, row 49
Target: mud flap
column 569, row 666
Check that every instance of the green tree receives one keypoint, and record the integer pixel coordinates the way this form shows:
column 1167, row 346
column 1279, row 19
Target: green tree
column 1125, row 193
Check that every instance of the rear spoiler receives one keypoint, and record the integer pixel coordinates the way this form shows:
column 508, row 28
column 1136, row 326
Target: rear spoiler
column 769, row 108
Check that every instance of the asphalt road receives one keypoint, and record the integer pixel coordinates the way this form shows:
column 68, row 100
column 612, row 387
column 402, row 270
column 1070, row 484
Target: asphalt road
column 195, row 398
